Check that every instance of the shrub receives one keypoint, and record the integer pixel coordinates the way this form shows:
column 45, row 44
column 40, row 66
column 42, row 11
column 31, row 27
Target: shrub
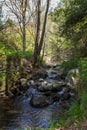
column 70, row 64
column 76, row 112
column 84, row 103
column 21, row 54
column 83, row 71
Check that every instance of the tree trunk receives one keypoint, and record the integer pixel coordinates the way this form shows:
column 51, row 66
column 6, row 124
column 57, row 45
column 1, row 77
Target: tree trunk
column 44, row 28
column 24, row 35
column 8, row 75
column 39, row 43
column 43, row 50
column 37, row 32
column 24, row 6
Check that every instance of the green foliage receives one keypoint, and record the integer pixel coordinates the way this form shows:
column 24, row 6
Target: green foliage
column 76, row 12
column 71, row 26
column 83, row 69
column 11, row 37
column 27, row 55
column 76, row 112
column 81, row 64
column 84, row 103
column 70, row 64
column 9, row 23
column 11, row 44
column 40, row 61
column 83, row 75
column 61, row 123
column 56, row 40
column 75, row 26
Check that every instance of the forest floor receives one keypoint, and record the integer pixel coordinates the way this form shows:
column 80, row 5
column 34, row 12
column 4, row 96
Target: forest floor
column 75, row 126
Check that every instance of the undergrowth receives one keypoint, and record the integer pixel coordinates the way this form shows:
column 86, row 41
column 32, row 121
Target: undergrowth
column 78, row 111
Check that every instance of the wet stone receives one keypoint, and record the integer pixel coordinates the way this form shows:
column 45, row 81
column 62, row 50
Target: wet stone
column 44, row 101
column 39, row 100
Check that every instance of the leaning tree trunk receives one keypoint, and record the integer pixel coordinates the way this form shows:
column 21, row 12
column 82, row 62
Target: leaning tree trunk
column 44, row 28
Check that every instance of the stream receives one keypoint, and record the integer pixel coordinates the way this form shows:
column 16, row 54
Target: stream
column 18, row 113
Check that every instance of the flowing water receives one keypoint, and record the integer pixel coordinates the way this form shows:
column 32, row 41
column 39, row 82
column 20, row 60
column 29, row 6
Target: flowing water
column 21, row 115
column 17, row 114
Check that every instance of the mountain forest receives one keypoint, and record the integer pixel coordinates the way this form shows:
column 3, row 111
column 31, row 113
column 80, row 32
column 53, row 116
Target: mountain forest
column 43, row 64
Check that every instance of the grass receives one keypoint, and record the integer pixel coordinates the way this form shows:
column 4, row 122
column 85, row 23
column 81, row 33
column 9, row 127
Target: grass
column 78, row 111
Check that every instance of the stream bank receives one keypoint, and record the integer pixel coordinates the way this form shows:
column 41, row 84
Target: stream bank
column 43, row 103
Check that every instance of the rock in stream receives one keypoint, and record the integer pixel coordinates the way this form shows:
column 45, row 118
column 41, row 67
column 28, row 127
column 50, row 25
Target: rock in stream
column 44, row 102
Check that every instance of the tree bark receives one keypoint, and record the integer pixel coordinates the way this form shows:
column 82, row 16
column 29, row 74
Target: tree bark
column 44, row 28
column 24, row 6
column 39, row 40
column 8, row 75
column 24, row 35
column 37, row 32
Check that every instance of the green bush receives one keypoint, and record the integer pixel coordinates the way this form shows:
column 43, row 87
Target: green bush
column 21, row 54
column 76, row 112
column 70, row 64
column 27, row 54
column 84, row 102
column 83, row 70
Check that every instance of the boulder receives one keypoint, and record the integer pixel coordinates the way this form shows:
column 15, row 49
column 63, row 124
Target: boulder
column 14, row 90
column 41, row 73
column 39, row 100
column 66, row 96
column 56, row 97
column 44, row 88
column 21, row 84
column 51, row 87
column 72, row 78
column 23, row 81
column 26, row 63
column 31, row 82
column 41, row 80
column 58, row 86
column 2, row 94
